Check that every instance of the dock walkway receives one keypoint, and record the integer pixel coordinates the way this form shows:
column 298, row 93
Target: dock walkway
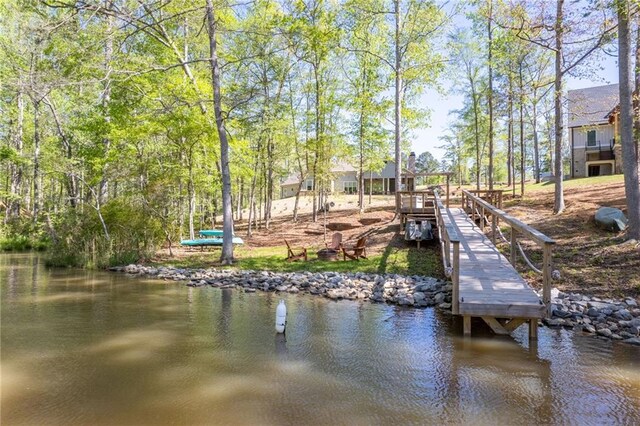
column 489, row 285
column 485, row 283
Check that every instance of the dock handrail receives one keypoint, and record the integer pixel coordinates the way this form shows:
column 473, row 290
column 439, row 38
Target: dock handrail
column 492, row 196
column 479, row 208
column 450, row 246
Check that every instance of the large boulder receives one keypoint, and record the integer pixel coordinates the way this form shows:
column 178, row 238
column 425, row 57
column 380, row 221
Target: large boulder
column 611, row 219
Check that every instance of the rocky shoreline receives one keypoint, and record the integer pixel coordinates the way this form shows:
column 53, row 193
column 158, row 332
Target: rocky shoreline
column 612, row 319
column 396, row 289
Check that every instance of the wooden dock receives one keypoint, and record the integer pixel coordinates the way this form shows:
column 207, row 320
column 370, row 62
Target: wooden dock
column 485, row 283
column 489, row 286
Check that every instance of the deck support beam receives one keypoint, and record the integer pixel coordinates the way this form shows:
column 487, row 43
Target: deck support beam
column 466, row 325
column 514, row 323
column 504, row 327
column 533, row 329
column 495, row 326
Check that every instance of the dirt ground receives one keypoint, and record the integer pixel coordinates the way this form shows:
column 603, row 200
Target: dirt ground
column 375, row 224
column 590, row 260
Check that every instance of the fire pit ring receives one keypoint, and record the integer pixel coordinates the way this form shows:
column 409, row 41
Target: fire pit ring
column 327, row 254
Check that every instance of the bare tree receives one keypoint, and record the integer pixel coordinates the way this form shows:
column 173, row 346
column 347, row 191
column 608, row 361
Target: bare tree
column 629, row 149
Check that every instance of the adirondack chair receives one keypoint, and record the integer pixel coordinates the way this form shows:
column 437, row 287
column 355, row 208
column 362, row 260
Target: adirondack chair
column 355, row 252
column 291, row 256
column 336, row 242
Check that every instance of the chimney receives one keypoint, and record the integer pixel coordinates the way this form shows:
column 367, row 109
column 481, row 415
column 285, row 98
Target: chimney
column 411, row 163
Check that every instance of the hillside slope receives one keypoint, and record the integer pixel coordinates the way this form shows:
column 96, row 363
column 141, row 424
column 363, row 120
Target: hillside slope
column 590, row 259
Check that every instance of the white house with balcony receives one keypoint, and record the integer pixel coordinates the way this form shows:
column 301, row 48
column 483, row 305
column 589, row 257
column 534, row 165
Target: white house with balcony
column 592, row 133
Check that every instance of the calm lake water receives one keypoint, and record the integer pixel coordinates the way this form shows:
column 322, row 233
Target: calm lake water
column 83, row 347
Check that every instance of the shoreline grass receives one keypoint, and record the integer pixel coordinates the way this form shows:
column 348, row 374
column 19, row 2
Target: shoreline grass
column 393, row 260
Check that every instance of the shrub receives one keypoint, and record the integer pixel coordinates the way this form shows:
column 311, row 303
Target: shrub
column 21, row 235
column 80, row 239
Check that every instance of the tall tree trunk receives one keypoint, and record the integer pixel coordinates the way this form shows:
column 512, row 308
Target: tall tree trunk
column 476, row 131
column 226, row 257
column 510, row 177
column 490, row 94
column 297, row 201
column 240, row 198
column 559, row 192
column 106, row 98
column 37, row 196
column 180, row 207
column 522, row 150
column 636, row 97
column 536, row 143
column 318, row 149
column 269, row 182
column 297, row 150
column 191, row 193
column 550, row 132
column 17, row 171
column 252, row 200
column 71, row 182
column 371, row 185
column 398, row 104
column 260, row 201
column 629, row 152
column 361, row 165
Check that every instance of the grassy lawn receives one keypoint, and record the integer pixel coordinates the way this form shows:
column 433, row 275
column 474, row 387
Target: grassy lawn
column 393, row 260
column 568, row 184
column 574, row 183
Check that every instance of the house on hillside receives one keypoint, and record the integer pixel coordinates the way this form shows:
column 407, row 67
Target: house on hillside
column 592, row 131
column 344, row 180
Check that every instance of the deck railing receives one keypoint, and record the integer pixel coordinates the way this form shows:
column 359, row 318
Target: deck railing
column 480, row 210
column 415, row 201
column 491, row 196
column 450, row 246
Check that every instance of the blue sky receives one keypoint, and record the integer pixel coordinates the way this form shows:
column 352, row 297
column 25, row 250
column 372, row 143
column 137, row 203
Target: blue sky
column 427, row 139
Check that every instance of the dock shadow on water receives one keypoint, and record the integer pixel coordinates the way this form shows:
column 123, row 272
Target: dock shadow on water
column 139, row 351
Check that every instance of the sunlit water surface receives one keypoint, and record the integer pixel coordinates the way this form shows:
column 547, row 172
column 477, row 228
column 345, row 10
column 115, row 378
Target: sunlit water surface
column 82, row 347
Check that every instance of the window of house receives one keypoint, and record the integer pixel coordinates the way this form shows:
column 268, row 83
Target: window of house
column 350, row 187
column 591, row 138
column 308, row 185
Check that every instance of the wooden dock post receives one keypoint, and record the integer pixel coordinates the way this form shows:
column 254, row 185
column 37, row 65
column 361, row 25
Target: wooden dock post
column 514, row 248
column 455, row 278
column 466, row 325
column 546, row 277
column 533, row 329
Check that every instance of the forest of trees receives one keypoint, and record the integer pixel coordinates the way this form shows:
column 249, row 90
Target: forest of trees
column 129, row 124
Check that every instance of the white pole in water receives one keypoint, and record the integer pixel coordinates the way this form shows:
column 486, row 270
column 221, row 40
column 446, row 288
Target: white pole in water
column 281, row 317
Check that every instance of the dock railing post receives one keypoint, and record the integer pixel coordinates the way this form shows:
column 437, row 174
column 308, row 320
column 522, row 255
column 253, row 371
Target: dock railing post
column 494, row 226
column 473, row 211
column 448, row 191
column 447, row 250
column 546, row 277
column 514, row 248
column 455, row 278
